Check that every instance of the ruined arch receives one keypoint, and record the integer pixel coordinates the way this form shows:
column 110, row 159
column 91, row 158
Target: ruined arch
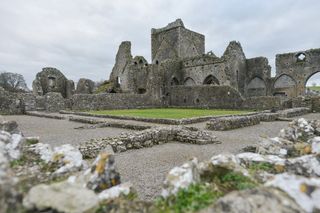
column 308, row 91
column 285, row 86
column 189, row 82
column 210, row 79
column 256, row 87
column 174, row 81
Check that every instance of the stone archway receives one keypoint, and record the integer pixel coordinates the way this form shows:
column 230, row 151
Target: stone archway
column 211, row 80
column 256, row 87
column 189, row 82
column 285, row 86
column 314, row 77
column 174, row 81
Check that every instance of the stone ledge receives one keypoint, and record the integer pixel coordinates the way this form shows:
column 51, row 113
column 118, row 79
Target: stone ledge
column 45, row 115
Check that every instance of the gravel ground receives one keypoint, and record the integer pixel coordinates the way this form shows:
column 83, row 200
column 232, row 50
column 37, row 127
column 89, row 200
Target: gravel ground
column 57, row 132
column 146, row 168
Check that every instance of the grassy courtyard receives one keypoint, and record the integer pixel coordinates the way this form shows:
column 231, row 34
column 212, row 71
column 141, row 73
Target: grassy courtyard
column 171, row 113
column 315, row 88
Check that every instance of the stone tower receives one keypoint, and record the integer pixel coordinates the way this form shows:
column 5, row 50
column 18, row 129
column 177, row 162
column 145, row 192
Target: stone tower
column 175, row 42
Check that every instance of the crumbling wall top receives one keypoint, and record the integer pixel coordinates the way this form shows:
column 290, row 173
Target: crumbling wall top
column 172, row 25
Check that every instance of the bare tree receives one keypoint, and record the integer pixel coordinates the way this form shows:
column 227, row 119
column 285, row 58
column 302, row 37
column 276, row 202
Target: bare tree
column 13, row 82
column 314, row 84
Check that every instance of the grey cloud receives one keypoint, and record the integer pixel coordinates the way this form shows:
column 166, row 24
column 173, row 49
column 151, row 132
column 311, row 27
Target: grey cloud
column 81, row 37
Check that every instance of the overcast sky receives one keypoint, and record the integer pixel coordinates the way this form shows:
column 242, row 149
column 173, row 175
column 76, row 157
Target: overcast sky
column 81, row 37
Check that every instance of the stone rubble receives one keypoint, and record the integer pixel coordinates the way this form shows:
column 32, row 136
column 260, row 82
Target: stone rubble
column 181, row 177
column 65, row 157
column 305, row 191
column 291, row 183
column 10, row 144
column 80, row 193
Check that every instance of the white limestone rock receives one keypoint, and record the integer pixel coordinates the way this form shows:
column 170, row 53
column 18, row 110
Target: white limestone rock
column 274, row 146
column 257, row 200
column 181, row 177
column 229, row 162
column 315, row 145
column 69, row 158
column 248, row 157
column 299, row 128
column 305, row 191
column 115, row 191
column 62, row 197
column 306, row 165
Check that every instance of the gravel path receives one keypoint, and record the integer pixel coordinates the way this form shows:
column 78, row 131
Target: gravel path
column 146, row 168
column 57, row 132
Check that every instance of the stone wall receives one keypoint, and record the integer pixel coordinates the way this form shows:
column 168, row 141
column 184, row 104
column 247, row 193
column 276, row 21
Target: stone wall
column 110, row 101
column 299, row 66
column 232, row 122
column 262, row 103
column 257, row 77
column 148, row 138
column 315, row 104
column 175, row 41
column 10, row 103
column 205, row 96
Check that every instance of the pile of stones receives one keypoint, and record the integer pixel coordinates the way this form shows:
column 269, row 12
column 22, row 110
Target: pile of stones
column 284, row 169
column 148, row 138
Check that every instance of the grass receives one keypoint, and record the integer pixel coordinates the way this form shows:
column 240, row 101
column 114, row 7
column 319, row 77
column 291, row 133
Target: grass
column 169, row 113
column 192, row 199
column 255, row 167
column 315, row 88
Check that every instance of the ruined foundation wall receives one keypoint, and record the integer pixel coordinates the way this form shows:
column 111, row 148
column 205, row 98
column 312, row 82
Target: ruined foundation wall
column 110, row 101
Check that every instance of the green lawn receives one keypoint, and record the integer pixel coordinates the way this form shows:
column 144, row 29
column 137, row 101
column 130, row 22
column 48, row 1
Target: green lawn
column 316, row 88
column 168, row 112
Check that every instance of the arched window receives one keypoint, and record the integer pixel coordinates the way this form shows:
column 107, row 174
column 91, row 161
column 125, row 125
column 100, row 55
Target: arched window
column 189, row 82
column 211, row 80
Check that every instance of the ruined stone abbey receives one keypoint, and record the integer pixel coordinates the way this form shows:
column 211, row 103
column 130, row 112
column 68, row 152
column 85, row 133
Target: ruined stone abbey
column 181, row 74
column 180, row 68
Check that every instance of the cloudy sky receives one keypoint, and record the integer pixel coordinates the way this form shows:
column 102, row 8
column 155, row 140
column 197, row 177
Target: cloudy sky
column 81, row 37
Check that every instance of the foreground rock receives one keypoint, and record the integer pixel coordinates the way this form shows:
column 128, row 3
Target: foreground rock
column 10, row 149
column 304, row 191
column 81, row 193
column 257, row 200
column 62, row 197
column 103, row 173
column 64, row 158
column 181, row 177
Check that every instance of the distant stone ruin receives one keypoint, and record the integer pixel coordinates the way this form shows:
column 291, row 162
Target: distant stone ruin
column 181, row 74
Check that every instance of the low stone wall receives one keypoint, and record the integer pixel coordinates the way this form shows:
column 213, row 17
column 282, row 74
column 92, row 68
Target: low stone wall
column 302, row 101
column 45, row 115
column 232, row 122
column 147, row 138
column 110, row 101
column 54, row 102
column 294, row 112
column 101, row 124
column 168, row 121
column 315, row 104
column 262, row 103
column 10, row 103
